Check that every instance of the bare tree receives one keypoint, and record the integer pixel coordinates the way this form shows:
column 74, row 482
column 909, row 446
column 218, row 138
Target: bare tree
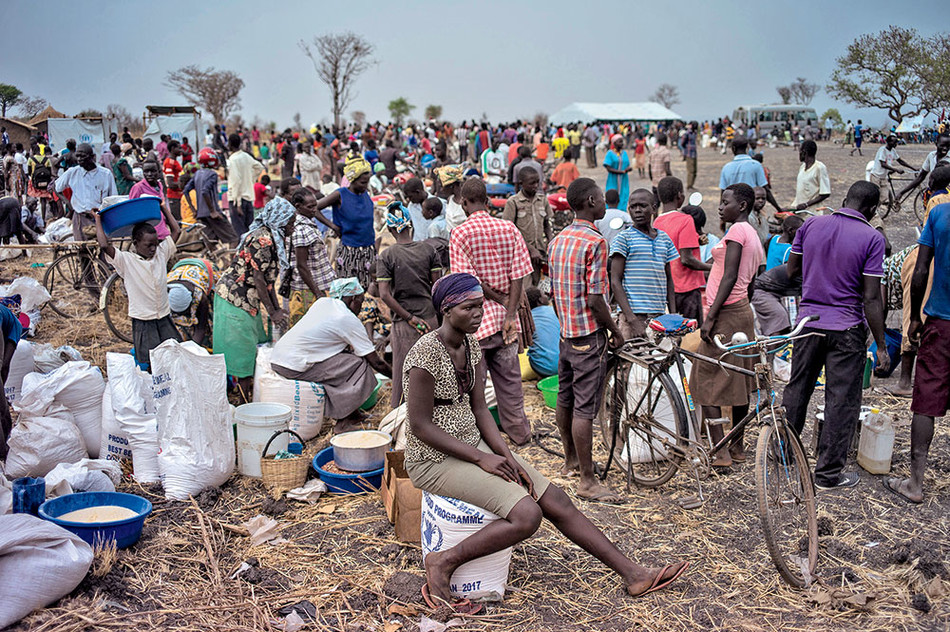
column 803, row 92
column 339, row 59
column 121, row 115
column 216, row 91
column 298, row 124
column 359, row 118
column 31, row 106
column 666, row 95
column 785, row 94
column 90, row 113
column 541, row 119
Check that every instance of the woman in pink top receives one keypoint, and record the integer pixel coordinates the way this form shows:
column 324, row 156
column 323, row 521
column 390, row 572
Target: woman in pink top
column 737, row 260
column 151, row 185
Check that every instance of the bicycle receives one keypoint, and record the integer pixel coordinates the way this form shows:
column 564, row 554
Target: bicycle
column 650, row 434
column 76, row 277
column 894, row 201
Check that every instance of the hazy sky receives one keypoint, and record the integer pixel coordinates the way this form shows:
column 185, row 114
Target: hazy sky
column 507, row 59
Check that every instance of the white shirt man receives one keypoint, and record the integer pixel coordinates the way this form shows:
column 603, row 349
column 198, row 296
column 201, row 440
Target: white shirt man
column 885, row 155
column 811, row 182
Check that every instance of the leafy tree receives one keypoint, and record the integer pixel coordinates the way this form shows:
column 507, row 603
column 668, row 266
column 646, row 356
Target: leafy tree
column 31, row 106
column 666, row 95
column 216, row 91
column 90, row 113
column 885, row 70
column 9, row 95
column 399, row 109
column 785, row 94
column 936, row 70
column 803, row 92
column 433, row 112
column 834, row 115
column 339, row 59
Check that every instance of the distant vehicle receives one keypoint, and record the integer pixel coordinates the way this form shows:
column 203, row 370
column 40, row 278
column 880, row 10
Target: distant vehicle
column 769, row 117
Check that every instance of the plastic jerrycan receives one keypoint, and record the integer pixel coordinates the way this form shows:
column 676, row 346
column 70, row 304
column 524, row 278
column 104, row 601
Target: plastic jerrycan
column 877, row 443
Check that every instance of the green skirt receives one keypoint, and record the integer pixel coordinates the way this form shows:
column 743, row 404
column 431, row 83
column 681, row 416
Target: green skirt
column 236, row 334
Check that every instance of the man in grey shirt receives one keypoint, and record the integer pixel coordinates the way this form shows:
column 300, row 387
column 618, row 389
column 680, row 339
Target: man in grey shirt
column 90, row 184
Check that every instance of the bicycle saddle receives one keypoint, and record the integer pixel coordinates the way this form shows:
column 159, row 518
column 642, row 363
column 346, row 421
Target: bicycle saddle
column 673, row 325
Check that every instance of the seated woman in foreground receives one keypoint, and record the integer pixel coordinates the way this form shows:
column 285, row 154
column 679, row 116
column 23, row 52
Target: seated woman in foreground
column 454, row 449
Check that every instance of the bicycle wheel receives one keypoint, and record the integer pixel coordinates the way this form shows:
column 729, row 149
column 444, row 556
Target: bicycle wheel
column 74, row 282
column 920, row 207
column 221, row 258
column 115, row 308
column 892, row 204
column 651, row 423
column 786, row 498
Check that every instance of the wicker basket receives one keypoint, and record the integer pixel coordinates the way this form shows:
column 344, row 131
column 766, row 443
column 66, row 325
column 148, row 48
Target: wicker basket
column 280, row 475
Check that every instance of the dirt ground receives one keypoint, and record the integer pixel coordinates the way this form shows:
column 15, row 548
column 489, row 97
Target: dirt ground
column 882, row 565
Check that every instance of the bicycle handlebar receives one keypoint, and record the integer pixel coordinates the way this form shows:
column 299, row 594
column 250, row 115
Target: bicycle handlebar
column 765, row 340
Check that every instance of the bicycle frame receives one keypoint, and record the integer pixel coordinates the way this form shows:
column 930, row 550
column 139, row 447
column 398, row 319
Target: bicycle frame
column 645, row 355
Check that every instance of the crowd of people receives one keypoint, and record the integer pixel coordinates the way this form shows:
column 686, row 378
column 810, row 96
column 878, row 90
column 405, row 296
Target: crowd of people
column 439, row 254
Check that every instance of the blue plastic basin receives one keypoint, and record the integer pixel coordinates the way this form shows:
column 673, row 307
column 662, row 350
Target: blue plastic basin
column 118, row 219
column 125, row 532
column 346, row 483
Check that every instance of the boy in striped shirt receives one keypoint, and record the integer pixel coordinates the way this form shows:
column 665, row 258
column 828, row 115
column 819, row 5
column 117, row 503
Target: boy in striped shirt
column 640, row 276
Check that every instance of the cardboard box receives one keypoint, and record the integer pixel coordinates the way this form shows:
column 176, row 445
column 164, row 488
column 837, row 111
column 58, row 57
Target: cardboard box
column 402, row 500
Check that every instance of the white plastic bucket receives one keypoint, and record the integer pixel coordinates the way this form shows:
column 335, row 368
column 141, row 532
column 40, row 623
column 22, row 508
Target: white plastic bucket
column 256, row 422
column 448, row 521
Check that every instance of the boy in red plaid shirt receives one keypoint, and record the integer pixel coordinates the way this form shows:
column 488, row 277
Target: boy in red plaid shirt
column 577, row 259
column 494, row 252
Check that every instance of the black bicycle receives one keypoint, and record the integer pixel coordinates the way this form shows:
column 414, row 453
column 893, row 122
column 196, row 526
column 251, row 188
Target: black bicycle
column 653, row 428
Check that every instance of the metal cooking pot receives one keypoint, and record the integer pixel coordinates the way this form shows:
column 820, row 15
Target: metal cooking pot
column 360, row 450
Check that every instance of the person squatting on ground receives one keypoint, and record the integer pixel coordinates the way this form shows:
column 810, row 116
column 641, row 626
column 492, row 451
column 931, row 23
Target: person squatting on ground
column 330, row 346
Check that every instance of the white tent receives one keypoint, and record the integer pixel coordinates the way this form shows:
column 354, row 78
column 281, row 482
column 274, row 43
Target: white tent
column 590, row 112
column 910, row 125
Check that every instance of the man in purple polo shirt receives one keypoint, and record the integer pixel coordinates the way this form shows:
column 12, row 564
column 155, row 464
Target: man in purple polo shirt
column 841, row 260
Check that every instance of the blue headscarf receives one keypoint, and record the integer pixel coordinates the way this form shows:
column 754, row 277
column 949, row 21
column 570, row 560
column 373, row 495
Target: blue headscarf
column 454, row 289
column 274, row 216
column 398, row 217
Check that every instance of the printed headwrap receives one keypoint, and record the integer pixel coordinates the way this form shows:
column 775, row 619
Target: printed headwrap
column 349, row 286
column 398, row 217
column 454, row 289
column 12, row 303
column 274, row 216
column 355, row 166
column 450, row 174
